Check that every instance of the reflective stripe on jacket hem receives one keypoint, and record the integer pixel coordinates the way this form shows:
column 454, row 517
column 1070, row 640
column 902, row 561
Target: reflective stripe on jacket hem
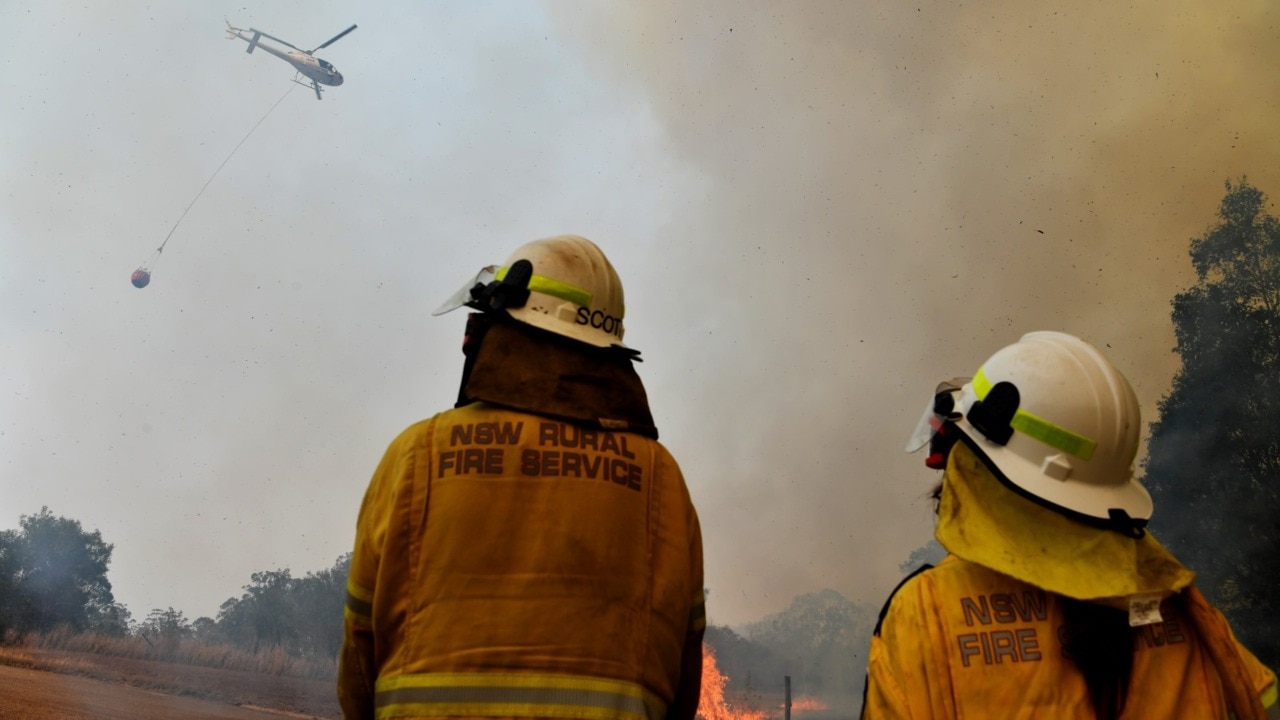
column 514, row 695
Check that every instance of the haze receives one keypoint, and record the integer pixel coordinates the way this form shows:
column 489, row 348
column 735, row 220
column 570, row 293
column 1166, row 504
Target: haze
column 819, row 210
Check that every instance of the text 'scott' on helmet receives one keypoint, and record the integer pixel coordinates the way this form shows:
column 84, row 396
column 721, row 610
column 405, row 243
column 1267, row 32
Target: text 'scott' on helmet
column 1057, row 421
column 562, row 284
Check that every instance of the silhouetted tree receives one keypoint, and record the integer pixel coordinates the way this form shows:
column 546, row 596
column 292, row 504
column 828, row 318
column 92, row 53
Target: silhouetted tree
column 1213, row 461
column 318, row 600
column 164, row 631
column 749, row 666
column 931, row 553
column 205, row 629
column 113, row 619
column 11, row 603
column 822, row 639
column 53, row 572
column 270, row 608
column 233, row 623
column 302, row 616
column 168, row 623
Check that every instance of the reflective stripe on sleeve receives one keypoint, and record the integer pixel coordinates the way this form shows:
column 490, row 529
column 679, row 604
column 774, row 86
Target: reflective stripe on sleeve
column 1271, row 695
column 514, row 695
column 359, row 605
column 698, row 613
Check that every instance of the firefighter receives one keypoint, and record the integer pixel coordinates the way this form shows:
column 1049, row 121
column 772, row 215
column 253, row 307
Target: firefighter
column 532, row 552
column 1054, row 601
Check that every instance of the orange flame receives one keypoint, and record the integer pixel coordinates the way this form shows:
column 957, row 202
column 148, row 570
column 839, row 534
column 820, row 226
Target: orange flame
column 714, row 705
column 806, row 704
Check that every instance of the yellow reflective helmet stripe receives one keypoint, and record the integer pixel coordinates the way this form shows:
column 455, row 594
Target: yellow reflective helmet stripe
column 514, row 695
column 1028, row 424
column 554, row 288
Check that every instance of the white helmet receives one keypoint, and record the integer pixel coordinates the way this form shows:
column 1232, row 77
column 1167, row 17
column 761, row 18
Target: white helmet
column 1059, row 422
column 562, row 284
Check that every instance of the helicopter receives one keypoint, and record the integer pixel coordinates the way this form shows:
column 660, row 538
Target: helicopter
column 319, row 72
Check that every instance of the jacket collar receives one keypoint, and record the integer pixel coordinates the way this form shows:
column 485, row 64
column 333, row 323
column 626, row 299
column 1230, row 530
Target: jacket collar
column 984, row 522
column 524, row 368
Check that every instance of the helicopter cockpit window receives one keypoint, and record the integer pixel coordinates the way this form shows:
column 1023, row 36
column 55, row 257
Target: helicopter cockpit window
column 325, row 64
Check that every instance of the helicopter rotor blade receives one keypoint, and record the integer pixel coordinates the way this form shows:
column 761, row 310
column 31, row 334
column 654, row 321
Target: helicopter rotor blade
column 273, row 37
column 335, row 38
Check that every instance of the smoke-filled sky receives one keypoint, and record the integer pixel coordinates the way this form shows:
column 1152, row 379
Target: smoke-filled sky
column 818, row 210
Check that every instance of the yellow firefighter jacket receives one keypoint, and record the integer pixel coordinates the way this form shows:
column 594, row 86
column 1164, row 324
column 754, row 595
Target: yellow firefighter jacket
column 961, row 640
column 511, row 565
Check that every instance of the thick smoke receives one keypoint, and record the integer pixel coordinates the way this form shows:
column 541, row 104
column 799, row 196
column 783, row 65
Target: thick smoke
column 893, row 191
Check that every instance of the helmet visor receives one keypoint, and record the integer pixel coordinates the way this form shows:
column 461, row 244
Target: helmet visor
column 935, row 413
column 465, row 295
column 929, row 424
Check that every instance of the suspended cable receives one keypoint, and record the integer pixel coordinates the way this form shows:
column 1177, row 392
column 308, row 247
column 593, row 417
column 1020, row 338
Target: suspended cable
column 142, row 276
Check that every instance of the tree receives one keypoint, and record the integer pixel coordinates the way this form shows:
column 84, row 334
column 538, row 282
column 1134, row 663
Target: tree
column 318, row 601
column 233, row 622
column 11, row 603
column 113, row 619
column 302, row 616
column 822, row 638
column 168, row 623
column 270, row 608
column 748, row 666
column 206, row 630
column 1213, row 462
column 931, row 553
column 53, row 572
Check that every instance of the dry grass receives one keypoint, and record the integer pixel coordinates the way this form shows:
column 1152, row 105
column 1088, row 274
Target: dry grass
column 273, row 661
column 186, row 668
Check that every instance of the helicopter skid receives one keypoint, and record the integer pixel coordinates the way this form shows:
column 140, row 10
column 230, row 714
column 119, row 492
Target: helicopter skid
column 313, row 85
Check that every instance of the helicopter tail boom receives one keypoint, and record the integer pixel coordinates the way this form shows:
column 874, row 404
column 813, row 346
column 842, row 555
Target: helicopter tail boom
column 235, row 32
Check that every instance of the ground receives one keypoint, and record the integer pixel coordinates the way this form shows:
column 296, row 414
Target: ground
column 77, row 686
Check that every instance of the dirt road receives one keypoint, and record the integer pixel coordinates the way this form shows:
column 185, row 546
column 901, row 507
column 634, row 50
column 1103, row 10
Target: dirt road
column 39, row 695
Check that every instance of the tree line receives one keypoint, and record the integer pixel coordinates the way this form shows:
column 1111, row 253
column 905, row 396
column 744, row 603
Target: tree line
column 53, row 576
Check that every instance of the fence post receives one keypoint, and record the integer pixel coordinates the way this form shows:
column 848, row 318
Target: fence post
column 787, row 712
